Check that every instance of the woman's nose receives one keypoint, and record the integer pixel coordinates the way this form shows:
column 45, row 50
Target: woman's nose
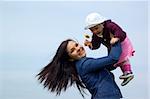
column 78, row 48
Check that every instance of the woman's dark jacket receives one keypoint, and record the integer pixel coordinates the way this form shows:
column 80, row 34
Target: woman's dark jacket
column 97, row 78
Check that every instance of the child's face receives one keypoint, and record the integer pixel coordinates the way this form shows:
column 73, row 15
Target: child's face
column 97, row 29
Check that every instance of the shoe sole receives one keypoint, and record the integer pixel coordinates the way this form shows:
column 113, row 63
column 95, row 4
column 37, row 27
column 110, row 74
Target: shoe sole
column 128, row 80
column 125, row 77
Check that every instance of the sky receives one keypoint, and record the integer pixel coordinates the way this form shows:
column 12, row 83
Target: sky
column 31, row 31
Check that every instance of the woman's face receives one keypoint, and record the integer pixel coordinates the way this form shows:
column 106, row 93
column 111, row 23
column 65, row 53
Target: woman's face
column 75, row 50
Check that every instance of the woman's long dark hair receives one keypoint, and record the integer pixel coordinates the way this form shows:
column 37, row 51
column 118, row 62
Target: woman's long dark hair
column 60, row 72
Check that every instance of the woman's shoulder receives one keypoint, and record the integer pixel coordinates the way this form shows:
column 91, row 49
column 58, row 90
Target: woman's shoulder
column 80, row 64
column 83, row 60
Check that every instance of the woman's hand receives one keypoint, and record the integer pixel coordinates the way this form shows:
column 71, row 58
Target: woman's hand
column 114, row 40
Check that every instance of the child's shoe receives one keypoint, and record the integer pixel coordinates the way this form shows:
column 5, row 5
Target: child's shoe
column 127, row 80
column 126, row 75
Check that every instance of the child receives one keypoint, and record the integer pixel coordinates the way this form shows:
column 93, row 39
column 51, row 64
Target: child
column 107, row 32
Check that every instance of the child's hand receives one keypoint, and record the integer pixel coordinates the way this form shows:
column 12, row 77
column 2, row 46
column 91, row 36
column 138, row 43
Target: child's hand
column 88, row 43
column 114, row 40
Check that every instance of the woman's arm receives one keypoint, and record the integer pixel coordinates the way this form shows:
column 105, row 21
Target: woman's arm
column 93, row 64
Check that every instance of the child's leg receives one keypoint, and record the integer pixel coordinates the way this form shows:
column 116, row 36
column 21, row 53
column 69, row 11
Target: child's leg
column 126, row 67
column 127, row 72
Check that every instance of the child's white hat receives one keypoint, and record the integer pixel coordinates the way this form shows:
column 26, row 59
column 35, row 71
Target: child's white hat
column 93, row 19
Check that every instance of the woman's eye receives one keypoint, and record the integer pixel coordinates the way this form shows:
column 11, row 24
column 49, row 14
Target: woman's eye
column 72, row 50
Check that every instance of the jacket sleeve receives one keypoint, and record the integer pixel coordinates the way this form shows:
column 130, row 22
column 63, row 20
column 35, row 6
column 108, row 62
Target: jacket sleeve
column 117, row 31
column 96, row 42
column 93, row 64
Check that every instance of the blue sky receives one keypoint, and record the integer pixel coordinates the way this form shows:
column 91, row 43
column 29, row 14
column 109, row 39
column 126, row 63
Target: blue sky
column 32, row 31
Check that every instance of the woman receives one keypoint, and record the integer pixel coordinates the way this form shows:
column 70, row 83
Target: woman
column 70, row 62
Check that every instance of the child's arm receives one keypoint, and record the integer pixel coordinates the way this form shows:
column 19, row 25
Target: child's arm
column 94, row 43
column 117, row 31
